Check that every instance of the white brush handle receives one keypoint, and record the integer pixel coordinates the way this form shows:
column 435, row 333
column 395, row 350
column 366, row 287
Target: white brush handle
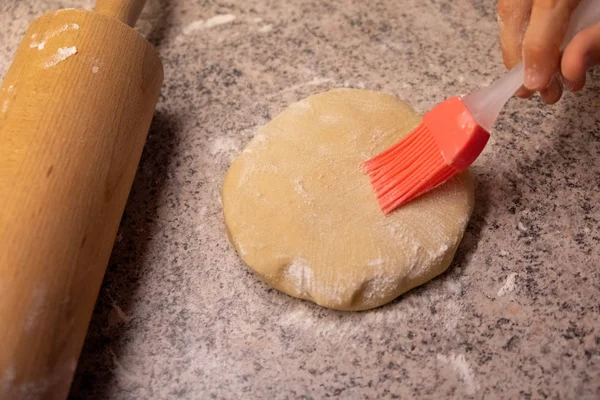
column 486, row 103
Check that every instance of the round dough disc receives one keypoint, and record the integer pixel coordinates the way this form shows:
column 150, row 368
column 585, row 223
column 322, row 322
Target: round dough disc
column 302, row 214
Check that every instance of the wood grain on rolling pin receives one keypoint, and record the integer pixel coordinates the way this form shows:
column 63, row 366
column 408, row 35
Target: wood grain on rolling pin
column 74, row 114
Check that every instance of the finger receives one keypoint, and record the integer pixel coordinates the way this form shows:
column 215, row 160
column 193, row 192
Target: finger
column 580, row 55
column 524, row 93
column 575, row 86
column 553, row 92
column 513, row 17
column 541, row 45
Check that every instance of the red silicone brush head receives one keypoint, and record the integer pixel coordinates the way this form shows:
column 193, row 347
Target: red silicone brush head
column 444, row 144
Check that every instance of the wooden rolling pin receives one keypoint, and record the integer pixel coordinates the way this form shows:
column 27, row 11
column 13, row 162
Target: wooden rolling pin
column 75, row 109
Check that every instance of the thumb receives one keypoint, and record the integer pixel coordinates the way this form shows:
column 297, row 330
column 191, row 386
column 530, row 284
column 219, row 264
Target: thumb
column 580, row 55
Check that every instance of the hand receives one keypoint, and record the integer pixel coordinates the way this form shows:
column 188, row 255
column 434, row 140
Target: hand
column 533, row 30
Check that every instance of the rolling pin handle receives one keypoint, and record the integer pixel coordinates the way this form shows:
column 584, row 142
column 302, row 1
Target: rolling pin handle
column 127, row 11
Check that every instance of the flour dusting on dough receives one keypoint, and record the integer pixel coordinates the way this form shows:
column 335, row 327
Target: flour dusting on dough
column 241, row 249
column 376, row 262
column 257, row 142
column 379, row 286
column 297, row 190
column 300, row 275
column 301, row 105
column 440, row 252
column 329, row 119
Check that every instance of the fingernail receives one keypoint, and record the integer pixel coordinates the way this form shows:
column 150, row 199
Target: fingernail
column 574, row 85
column 533, row 79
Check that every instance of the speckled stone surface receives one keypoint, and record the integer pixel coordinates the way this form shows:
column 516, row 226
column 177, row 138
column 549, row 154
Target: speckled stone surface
column 517, row 315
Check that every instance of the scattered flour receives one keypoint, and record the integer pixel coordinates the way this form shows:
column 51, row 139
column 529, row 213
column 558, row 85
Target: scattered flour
column 224, row 145
column 219, row 20
column 209, row 23
column 95, row 69
column 461, row 366
column 61, row 54
column 313, row 82
column 124, row 317
column 265, row 28
column 509, row 285
column 127, row 374
column 452, row 312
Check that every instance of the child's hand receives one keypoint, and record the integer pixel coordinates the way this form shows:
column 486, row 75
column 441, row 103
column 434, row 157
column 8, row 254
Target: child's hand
column 534, row 30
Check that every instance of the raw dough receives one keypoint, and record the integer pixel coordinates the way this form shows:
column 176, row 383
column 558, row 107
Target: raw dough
column 301, row 213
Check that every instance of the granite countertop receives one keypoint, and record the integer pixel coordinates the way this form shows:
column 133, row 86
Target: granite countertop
column 515, row 316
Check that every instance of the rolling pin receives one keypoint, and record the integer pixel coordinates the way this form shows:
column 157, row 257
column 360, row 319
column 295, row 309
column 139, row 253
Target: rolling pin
column 75, row 109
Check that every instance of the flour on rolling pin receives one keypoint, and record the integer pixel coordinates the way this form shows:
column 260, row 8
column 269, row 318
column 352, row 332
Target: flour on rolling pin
column 61, row 54
column 7, row 94
column 42, row 42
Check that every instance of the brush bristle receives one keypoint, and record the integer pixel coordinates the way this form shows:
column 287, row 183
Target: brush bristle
column 408, row 169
